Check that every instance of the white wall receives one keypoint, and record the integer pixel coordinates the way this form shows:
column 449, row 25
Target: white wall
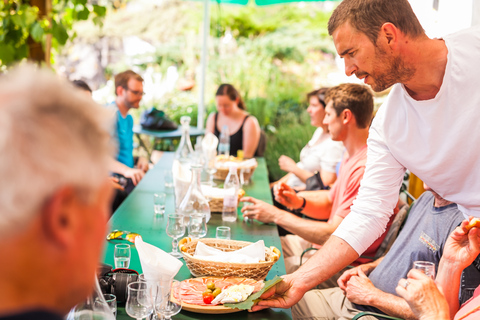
column 451, row 16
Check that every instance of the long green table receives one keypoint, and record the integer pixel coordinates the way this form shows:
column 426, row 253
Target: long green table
column 136, row 215
column 162, row 134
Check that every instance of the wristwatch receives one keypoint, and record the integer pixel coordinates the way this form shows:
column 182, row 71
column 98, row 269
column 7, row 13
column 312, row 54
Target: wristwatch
column 299, row 210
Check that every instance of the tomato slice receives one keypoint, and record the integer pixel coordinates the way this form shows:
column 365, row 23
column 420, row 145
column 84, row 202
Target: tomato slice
column 208, row 297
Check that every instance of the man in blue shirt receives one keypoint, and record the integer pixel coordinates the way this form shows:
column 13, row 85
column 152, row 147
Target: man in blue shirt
column 129, row 93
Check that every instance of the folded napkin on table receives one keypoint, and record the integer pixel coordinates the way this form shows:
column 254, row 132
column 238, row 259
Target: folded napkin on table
column 213, row 192
column 239, row 164
column 209, row 145
column 182, row 176
column 250, row 254
column 156, row 263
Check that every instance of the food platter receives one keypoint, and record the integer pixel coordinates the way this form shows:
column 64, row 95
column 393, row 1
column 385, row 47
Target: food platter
column 218, row 309
column 198, row 285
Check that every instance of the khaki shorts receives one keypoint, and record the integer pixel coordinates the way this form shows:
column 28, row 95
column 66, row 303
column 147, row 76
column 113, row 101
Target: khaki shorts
column 293, row 247
column 327, row 304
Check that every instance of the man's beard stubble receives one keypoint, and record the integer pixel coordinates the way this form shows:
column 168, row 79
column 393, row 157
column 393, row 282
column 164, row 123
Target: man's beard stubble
column 397, row 71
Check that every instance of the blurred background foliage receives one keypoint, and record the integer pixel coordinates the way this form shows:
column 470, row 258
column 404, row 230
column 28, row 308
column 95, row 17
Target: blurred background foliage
column 273, row 55
column 22, row 25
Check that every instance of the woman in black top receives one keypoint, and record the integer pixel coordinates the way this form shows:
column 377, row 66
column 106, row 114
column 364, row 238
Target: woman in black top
column 243, row 127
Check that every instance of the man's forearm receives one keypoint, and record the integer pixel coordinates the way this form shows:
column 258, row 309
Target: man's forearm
column 335, row 255
column 118, row 167
column 318, row 205
column 313, row 231
column 390, row 304
column 302, row 174
column 448, row 280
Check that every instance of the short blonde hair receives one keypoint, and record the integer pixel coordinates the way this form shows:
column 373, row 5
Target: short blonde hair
column 51, row 135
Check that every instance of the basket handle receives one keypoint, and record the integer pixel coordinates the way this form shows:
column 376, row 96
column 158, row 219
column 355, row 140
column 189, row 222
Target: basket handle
column 276, row 254
column 182, row 243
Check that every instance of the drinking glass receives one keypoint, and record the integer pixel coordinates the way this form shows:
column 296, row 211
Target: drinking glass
column 210, row 166
column 139, row 303
column 175, row 229
column 121, row 256
column 426, row 267
column 168, row 178
column 152, row 286
column 168, row 305
column 197, row 226
column 246, row 204
column 159, row 203
column 111, row 301
column 223, row 232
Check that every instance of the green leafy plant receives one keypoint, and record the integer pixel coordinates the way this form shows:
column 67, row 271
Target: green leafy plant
column 21, row 24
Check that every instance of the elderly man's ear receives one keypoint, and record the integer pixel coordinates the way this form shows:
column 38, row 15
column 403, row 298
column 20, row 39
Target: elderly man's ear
column 60, row 217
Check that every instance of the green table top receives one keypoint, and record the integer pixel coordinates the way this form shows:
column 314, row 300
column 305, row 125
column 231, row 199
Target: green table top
column 136, row 215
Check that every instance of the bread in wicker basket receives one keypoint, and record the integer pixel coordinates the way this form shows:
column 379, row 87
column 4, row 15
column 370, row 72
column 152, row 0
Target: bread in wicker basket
column 200, row 268
column 222, row 172
column 216, row 204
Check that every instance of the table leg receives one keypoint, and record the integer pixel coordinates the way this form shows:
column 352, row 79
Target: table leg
column 143, row 145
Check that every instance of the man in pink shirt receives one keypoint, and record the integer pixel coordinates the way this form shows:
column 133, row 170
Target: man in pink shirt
column 348, row 114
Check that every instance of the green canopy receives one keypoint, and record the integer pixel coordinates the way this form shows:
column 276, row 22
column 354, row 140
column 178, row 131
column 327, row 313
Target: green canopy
column 264, row 2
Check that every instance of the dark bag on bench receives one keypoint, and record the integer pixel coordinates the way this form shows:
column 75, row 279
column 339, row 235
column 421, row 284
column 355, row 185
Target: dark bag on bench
column 154, row 119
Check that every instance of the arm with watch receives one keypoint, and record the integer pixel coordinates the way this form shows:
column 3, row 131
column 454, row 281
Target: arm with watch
column 317, row 205
column 316, row 232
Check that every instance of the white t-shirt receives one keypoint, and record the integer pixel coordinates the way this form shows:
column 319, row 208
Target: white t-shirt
column 321, row 152
column 437, row 140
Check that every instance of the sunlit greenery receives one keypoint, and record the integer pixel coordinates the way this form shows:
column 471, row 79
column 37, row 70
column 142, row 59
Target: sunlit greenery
column 273, row 55
column 19, row 22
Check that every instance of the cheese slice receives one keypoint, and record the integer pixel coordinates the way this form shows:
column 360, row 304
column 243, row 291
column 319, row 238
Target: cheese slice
column 234, row 294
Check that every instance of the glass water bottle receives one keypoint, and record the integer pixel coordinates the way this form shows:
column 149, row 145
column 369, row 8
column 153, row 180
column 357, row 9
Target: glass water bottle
column 184, row 152
column 194, row 200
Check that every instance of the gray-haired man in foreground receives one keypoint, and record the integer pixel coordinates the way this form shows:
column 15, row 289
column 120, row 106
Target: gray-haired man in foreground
column 54, row 197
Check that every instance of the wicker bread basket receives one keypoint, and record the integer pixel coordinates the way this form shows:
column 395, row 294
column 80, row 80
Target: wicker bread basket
column 200, row 268
column 222, row 172
column 216, row 204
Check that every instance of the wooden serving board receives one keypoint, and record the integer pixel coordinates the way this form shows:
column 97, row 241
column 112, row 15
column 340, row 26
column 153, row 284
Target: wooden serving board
column 209, row 309
column 218, row 309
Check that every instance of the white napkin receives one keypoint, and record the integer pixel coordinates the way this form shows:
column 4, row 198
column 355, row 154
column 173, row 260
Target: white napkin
column 213, row 192
column 250, row 254
column 182, row 176
column 243, row 164
column 209, row 145
column 155, row 262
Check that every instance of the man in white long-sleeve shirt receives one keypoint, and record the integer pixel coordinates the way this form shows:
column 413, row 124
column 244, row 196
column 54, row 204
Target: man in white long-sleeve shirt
column 427, row 125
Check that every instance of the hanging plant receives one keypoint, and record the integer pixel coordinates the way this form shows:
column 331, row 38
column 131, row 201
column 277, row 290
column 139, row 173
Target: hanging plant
column 21, row 25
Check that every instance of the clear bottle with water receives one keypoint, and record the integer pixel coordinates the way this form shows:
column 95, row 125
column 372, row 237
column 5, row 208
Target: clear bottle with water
column 224, row 142
column 230, row 200
column 184, row 152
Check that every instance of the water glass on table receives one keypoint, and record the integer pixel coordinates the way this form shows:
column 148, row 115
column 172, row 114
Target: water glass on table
column 121, row 255
column 139, row 302
column 167, row 305
column 168, row 178
column 427, row 267
column 159, row 203
column 246, row 204
column 175, row 229
column 111, row 301
column 223, row 232
column 197, row 226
